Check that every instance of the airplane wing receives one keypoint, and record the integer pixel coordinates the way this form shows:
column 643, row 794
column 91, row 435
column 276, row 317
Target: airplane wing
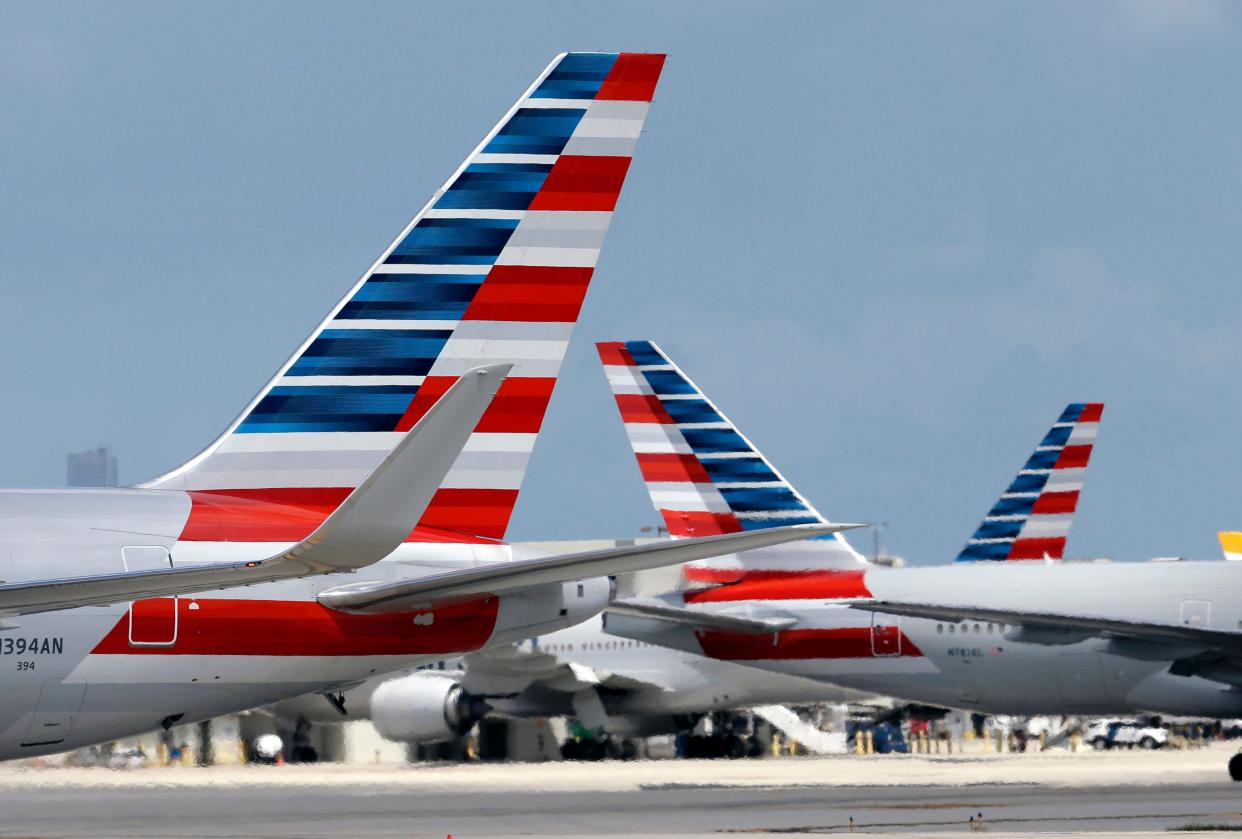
column 509, row 670
column 1077, row 625
column 367, row 526
column 500, row 577
column 697, row 619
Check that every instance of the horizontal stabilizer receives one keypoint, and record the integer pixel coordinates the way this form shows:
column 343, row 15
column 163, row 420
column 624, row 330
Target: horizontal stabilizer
column 698, row 619
column 500, row 577
column 368, row 525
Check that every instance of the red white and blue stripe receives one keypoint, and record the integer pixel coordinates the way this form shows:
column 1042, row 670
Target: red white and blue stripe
column 495, row 267
column 1031, row 520
column 703, row 476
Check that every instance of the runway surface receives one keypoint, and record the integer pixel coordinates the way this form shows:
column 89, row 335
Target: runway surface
column 1042, row 795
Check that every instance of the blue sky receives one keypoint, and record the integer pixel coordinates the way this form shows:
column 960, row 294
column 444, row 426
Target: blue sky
column 890, row 240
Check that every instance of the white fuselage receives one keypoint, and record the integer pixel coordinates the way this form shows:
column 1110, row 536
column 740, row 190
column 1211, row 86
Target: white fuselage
column 983, row 666
column 88, row 675
column 641, row 687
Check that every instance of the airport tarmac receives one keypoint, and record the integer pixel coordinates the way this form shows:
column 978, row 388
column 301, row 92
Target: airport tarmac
column 1105, row 794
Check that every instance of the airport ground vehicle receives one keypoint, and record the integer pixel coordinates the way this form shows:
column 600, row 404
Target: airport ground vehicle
column 390, row 447
column 986, row 633
column 1117, row 733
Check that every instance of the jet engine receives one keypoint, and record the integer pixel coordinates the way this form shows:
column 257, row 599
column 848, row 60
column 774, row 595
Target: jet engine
column 424, row 708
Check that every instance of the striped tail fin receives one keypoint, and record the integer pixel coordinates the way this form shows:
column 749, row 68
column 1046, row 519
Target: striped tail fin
column 704, row 477
column 493, row 268
column 1031, row 520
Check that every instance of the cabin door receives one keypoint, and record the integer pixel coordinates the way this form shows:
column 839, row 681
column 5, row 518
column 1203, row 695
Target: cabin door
column 153, row 621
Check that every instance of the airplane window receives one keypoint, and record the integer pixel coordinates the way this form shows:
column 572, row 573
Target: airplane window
column 991, row 627
column 952, row 629
column 940, row 628
column 978, row 629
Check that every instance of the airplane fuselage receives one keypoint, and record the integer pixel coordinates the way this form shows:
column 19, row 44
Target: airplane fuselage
column 88, row 675
column 989, row 667
column 643, row 688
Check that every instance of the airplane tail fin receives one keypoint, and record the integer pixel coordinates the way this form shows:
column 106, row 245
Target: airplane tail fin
column 1231, row 544
column 702, row 475
column 493, row 269
column 1031, row 519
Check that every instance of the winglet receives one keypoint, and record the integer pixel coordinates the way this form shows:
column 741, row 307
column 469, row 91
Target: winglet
column 367, row 526
column 377, row 516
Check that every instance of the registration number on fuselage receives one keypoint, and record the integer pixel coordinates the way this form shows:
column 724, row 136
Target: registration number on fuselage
column 31, row 646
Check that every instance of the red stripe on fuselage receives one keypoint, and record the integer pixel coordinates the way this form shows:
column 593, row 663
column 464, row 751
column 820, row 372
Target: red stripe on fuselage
column 780, row 585
column 298, row 628
column 798, row 644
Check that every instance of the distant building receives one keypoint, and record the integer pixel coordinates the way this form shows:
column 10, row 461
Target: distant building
column 96, row 468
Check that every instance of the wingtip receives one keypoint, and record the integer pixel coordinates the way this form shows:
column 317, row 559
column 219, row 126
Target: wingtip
column 501, row 369
column 831, row 527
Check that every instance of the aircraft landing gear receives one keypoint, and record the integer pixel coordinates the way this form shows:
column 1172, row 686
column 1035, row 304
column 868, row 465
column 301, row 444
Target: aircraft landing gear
column 730, row 746
column 605, row 749
column 1235, row 767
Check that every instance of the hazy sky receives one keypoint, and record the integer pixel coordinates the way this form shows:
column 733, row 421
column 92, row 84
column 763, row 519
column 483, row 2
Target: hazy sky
column 890, row 240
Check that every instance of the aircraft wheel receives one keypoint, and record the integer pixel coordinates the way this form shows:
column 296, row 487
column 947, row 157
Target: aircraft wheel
column 1235, row 767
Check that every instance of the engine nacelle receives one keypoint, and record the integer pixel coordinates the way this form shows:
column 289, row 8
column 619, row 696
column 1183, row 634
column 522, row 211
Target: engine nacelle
column 424, row 708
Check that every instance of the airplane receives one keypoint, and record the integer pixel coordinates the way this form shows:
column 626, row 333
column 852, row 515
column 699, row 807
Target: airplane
column 349, row 521
column 1005, row 629
column 618, row 688
column 705, row 479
